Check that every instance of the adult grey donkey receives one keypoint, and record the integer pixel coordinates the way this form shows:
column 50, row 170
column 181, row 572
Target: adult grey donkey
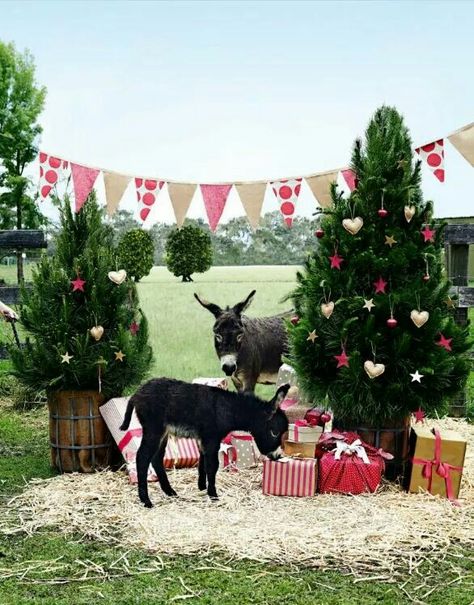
column 250, row 349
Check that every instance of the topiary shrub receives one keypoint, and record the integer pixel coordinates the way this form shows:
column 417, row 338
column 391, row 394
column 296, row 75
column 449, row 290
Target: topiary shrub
column 135, row 251
column 188, row 251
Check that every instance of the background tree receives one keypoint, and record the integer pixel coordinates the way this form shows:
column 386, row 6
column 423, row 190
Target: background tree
column 376, row 333
column 82, row 325
column 136, row 253
column 21, row 102
column 188, row 251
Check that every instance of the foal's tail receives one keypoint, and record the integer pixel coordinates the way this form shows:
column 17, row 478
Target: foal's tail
column 128, row 414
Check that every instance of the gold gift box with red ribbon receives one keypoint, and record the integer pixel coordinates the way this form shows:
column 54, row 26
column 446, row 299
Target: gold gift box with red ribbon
column 437, row 460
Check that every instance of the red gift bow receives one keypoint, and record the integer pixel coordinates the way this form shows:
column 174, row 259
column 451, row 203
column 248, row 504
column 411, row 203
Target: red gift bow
column 129, row 435
column 443, row 469
column 230, row 451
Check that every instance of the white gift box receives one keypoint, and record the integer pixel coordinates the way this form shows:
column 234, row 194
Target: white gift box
column 304, row 434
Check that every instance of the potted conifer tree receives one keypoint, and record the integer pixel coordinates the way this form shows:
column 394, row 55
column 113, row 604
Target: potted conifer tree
column 376, row 338
column 88, row 339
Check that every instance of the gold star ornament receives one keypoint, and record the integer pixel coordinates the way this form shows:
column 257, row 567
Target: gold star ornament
column 390, row 240
column 369, row 304
column 312, row 336
column 119, row 356
column 66, row 358
column 449, row 302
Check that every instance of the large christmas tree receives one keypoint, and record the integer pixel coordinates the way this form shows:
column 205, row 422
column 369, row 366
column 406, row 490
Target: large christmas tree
column 376, row 338
column 85, row 328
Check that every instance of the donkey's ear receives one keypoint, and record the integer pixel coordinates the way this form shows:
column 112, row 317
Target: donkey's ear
column 211, row 307
column 241, row 306
column 280, row 395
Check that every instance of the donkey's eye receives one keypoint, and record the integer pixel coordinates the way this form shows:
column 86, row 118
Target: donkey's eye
column 218, row 337
column 274, row 435
column 240, row 336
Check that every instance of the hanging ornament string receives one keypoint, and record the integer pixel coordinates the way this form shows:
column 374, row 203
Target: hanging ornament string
column 373, row 349
column 382, row 212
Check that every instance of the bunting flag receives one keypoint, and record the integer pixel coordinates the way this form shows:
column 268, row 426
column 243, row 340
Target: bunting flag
column 50, row 169
column 147, row 194
column 83, row 179
column 287, row 192
column 215, row 197
column 346, row 181
column 433, row 155
column 181, row 195
column 251, row 195
column 320, row 185
column 463, row 141
column 115, row 185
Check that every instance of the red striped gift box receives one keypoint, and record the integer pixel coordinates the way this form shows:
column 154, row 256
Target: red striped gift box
column 290, row 477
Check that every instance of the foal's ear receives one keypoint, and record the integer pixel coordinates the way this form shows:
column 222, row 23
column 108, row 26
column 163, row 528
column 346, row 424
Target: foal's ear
column 280, row 395
column 211, row 307
column 241, row 306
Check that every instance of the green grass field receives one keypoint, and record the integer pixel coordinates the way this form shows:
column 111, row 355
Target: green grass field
column 181, row 337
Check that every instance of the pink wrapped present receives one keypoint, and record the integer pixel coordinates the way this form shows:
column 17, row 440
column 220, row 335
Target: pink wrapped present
column 290, row 477
column 221, row 383
column 238, row 451
column 180, row 452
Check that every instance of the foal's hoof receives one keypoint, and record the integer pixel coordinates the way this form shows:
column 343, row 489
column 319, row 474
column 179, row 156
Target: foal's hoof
column 148, row 504
column 214, row 498
column 172, row 494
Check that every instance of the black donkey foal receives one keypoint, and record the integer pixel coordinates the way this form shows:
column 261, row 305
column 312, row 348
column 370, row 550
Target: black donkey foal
column 206, row 413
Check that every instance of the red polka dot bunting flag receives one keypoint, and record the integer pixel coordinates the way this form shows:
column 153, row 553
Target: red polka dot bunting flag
column 346, row 182
column 51, row 169
column 433, row 155
column 147, row 194
column 286, row 192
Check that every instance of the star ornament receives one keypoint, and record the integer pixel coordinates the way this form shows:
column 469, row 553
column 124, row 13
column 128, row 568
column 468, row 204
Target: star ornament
column 444, row 342
column 312, row 336
column 380, row 285
column 78, row 284
column 336, row 261
column 416, row 377
column 369, row 304
column 449, row 302
column 419, row 415
column 66, row 358
column 390, row 240
column 119, row 356
column 428, row 234
column 342, row 359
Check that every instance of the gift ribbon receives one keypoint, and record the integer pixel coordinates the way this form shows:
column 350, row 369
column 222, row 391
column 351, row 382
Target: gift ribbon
column 443, row 469
column 129, row 435
column 300, row 424
column 355, row 447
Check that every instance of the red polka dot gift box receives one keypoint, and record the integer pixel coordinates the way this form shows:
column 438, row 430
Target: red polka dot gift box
column 352, row 467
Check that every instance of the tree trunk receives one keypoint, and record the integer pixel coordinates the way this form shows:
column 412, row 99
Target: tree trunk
column 19, row 258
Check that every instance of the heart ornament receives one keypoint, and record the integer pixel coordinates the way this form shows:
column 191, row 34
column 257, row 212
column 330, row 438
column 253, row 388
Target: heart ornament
column 327, row 309
column 374, row 369
column 353, row 225
column 409, row 212
column 419, row 318
column 118, row 277
column 97, row 332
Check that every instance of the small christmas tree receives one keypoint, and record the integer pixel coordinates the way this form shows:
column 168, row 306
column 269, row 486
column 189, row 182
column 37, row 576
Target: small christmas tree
column 86, row 329
column 376, row 334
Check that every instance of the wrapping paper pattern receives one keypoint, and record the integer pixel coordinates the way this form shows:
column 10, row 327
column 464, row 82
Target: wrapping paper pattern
column 433, row 155
column 238, row 451
column 221, row 383
column 290, row 477
column 304, row 434
column 286, row 192
column 83, row 179
column 147, row 194
column 50, row 171
column 350, row 474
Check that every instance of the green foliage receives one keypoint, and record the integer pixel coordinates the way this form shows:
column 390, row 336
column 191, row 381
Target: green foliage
column 21, row 102
column 59, row 319
column 135, row 250
column 384, row 170
column 188, row 251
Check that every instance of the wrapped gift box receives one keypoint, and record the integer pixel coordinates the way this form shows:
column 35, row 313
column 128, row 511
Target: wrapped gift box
column 221, row 383
column 290, row 477
column 302, row 432
column 351, row 468
column 180, row 452
column 299, row 450
column 238, row 451
column 437, row 460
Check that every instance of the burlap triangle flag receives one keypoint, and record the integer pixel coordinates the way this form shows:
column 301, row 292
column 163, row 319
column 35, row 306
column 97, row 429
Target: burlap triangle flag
column 463, row 140
column 320, row 186
column 181, row 195
column 83, row 178
column 251, row 195
column 115, row 185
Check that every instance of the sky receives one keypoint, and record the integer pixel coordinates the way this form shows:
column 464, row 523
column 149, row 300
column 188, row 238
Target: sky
column 222, row 91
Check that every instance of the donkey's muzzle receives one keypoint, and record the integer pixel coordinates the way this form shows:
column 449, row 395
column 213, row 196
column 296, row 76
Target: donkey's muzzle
column 229, row 368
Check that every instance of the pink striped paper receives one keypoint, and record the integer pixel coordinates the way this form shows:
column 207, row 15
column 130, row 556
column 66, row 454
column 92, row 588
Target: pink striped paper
column 291, row 477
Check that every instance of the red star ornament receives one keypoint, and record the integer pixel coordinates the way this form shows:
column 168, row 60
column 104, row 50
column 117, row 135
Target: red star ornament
column 380, row 285
column 419, row 415
column 428, row 234
column 134, row 327
column 342, row 359
column 78, row 284
column 336, row 261
column 444, row 342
